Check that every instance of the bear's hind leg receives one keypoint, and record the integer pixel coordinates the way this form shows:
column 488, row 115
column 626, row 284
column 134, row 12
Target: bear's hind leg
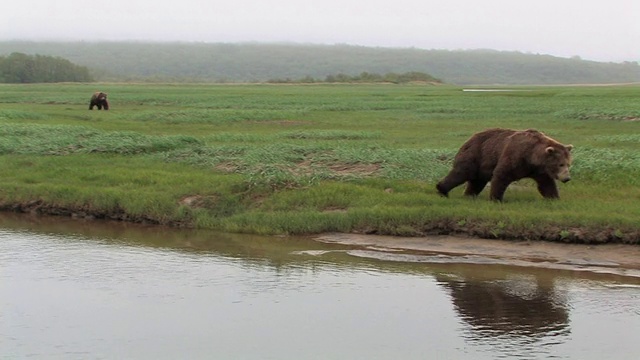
column 454, row 179
column 475, row 187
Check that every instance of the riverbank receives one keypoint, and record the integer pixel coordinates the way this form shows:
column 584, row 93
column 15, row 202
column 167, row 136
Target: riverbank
column 437, row 229
column 602, row 259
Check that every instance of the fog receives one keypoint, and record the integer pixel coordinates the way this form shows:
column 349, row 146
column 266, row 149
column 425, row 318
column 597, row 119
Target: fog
column 594, row 30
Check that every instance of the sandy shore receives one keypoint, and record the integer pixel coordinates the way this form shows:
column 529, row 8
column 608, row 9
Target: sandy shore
column 607, row 258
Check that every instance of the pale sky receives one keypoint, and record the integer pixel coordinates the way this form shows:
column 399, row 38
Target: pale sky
column 592, row 29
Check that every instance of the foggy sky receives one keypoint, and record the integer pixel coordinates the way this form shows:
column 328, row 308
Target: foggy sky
column 592, row 29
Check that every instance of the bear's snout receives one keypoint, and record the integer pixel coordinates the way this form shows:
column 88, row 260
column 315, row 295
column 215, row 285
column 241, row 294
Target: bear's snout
column 564, row 175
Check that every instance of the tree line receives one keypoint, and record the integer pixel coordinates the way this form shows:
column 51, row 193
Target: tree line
column 19, row 68
column 260, row 62
column 363, row 77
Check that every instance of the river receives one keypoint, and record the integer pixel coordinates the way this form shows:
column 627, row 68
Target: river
column 76, row 289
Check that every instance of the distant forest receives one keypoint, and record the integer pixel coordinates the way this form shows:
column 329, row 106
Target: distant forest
column 259, row 62
column 21, row 68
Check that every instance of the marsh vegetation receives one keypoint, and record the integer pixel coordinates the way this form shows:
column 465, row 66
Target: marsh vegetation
column 300, row 159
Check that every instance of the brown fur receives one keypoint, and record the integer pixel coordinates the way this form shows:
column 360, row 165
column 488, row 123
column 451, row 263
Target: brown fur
column 503, row 156
column 99, row 99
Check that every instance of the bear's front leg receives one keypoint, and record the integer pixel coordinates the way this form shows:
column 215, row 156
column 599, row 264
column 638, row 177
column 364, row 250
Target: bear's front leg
column 498, row 188
column 547, row 187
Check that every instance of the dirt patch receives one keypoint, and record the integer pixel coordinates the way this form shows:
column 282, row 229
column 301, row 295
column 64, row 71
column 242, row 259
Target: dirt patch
column 227, row 167
column 607, row 117
column 334, row 210
column 282, row 122
column 616, row 259
column 192, row 201
column 355, row 169
column 309, row 167
column 199, row 201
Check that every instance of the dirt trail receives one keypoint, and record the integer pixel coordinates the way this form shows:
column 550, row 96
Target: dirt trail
column 606, row 258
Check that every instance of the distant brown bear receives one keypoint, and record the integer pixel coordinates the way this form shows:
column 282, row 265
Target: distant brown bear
column 99, row 99
column 503, row 156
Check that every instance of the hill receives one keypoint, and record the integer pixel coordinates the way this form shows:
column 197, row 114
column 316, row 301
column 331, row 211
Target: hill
column 258, row 62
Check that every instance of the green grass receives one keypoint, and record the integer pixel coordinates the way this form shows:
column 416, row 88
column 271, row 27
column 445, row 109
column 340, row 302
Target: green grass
column 299, row 159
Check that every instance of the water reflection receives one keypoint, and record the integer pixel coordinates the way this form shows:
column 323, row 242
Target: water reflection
column 510, row 306
column 522, row 313
column 82, row 289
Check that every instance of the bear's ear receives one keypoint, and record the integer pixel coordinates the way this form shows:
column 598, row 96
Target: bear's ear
column 569, row 147
column 549, row 150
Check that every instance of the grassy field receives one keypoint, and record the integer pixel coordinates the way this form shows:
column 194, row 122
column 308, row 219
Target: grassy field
column 302, row 159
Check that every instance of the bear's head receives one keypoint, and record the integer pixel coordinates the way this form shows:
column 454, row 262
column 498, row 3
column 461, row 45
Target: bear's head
column 558, row 161
column 101, row 96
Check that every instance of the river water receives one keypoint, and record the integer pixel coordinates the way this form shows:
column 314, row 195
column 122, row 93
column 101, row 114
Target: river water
column 73, row 289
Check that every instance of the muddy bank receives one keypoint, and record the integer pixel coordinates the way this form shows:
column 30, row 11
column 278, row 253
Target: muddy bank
column 39, row 207
column 436, row 229
column 433, row 248
column 611, row 258
column 616, row 259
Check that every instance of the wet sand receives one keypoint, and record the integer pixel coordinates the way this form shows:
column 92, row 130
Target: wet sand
column 617, row 259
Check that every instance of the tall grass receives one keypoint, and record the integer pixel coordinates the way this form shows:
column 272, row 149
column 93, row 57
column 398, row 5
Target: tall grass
column 314, row 158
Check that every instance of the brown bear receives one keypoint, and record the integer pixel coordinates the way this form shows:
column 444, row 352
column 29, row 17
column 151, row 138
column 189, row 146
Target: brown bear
column 503, row 156
column 99, row 99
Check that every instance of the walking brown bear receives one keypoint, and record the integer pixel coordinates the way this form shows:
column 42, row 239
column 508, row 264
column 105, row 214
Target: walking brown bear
column 99, row 99
column 503, row 156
